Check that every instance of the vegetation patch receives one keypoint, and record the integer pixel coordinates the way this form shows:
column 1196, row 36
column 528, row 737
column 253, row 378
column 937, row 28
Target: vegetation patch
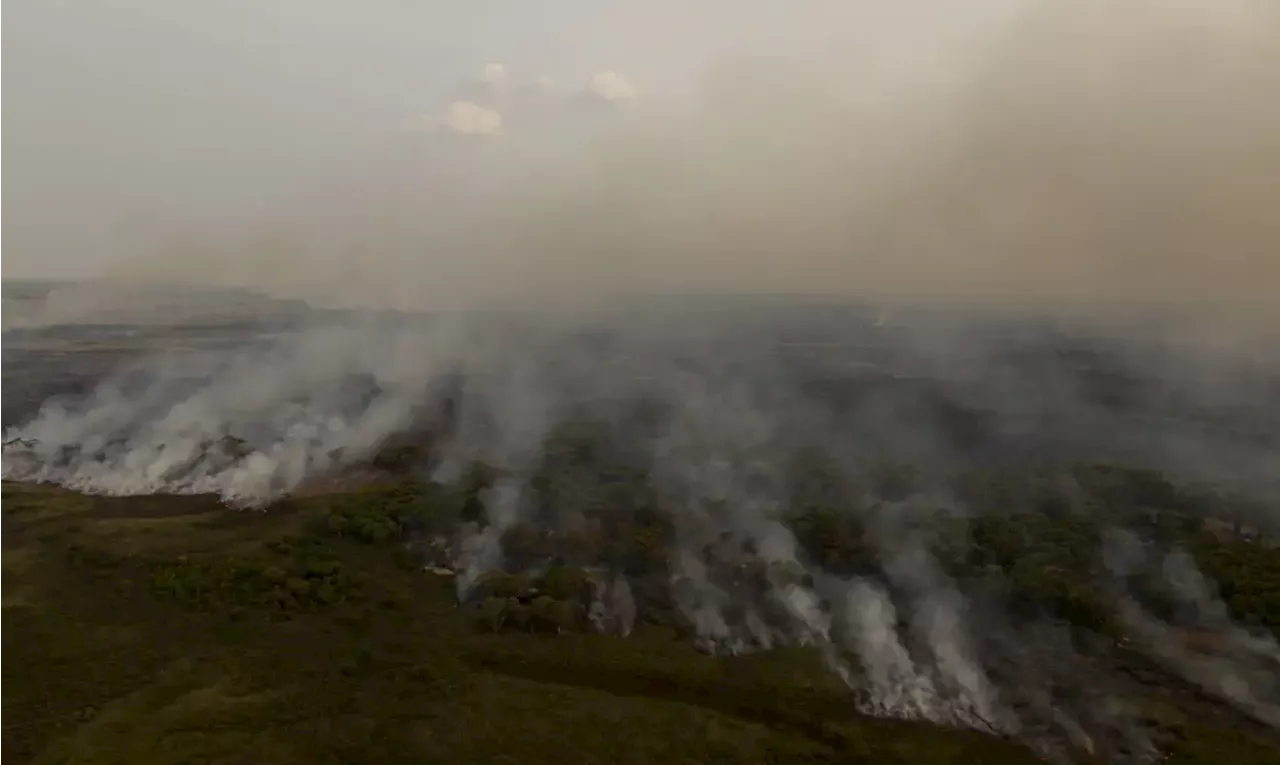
column 182, row 632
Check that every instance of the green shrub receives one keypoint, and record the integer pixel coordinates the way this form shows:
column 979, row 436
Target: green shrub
column 566, row 583
column 287, row 582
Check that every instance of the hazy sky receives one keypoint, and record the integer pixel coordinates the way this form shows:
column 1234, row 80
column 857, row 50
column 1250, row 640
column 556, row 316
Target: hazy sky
column 423, row 152
column 131, row 121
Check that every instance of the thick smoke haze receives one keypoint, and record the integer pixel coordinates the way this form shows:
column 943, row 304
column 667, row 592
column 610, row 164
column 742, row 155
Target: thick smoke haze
column 416, row 160
column 441, row 155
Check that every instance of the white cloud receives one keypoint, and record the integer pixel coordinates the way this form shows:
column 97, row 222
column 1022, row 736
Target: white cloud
column 470, row 118
column 494, row 101
column 494, row 74
column 611, row 86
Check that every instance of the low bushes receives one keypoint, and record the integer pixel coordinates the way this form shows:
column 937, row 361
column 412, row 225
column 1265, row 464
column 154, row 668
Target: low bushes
column 280, row 582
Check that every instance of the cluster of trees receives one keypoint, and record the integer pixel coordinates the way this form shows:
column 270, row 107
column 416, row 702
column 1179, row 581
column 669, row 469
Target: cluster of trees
column 1043, row 547
column 1035, row 529
column 1247, row 574
column 555, row 601
column 378, row 514
column 286, row 580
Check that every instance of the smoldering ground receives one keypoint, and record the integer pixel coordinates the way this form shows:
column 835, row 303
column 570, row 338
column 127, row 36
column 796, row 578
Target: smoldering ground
column 1068, row 157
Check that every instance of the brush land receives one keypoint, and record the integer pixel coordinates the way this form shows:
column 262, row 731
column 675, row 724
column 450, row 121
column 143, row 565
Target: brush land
column 171, row 629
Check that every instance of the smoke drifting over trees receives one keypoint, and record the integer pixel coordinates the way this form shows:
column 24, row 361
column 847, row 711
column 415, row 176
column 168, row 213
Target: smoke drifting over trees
column 760, row 475
column 703, row 472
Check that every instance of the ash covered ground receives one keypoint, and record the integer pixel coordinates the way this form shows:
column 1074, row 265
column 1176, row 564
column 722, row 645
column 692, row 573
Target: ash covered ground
column 997, row 523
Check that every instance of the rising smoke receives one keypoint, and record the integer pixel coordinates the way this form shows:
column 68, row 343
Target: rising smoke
column 728, row 408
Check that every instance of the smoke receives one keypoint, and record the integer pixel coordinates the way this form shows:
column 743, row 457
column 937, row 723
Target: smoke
column 1081, row 157
column 1085, row 155
column 1240, row 666
column 613, row 607
column 898, row 688
column 713, row 409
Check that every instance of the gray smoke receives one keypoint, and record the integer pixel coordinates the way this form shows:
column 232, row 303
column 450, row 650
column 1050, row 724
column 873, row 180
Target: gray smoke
column 1240, row 666
column 613, row 608
column 896, row 687
column 953, row 151
column 256, row 424
column 986, row 161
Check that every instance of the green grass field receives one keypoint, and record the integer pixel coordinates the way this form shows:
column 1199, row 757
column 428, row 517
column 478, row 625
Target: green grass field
column 172, row 630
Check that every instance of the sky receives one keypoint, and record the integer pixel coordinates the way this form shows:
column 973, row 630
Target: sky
column 424, row 153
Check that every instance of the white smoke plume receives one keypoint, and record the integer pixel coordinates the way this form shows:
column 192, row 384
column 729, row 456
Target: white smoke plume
column 1057, row 155
column 254, row 425
column 897, row 687
column 613, row 608
column 939, row 619
column 1239, row 666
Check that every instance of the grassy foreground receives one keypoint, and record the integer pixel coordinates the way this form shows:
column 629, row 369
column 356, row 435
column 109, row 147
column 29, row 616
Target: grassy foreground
column 172, row 630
